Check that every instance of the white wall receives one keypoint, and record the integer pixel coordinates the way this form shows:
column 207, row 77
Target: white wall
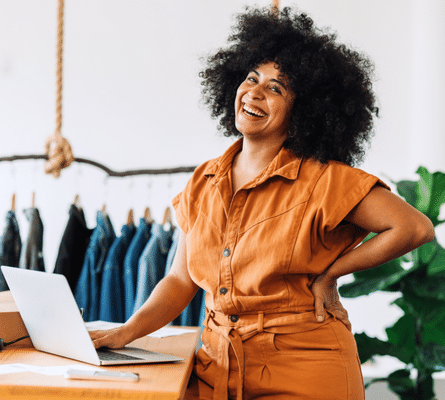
column 131, row 100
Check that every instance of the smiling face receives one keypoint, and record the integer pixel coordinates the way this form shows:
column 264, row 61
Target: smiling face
column 263, row 103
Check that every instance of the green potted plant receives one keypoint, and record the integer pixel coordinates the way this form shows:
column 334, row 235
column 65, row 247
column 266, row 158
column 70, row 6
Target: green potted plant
column 418, row 337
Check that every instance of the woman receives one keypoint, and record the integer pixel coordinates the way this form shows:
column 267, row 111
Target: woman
column 269, row 227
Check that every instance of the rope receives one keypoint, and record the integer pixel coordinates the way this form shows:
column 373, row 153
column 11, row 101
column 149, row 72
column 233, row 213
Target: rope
column 57, row 148
column 59, row 70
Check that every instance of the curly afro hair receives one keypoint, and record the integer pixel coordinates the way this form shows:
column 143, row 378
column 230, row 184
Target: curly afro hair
column 334, row 108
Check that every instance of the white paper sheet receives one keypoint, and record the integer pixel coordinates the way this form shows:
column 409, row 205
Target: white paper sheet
column 45, row 370
column 160, row 333
column 169, row 331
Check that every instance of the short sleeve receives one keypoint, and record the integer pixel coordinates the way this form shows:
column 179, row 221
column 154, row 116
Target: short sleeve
column 180, row 204
column 186, row 204
column 339, row 189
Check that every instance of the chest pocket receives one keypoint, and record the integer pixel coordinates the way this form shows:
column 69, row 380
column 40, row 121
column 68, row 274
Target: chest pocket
column 265, row 245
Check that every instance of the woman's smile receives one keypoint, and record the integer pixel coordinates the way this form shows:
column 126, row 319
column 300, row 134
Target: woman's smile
column 252, row 111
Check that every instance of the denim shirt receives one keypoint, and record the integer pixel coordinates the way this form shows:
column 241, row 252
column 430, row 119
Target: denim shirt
column 172, row 251
column 193, row 314
column 152, row 263
column 169, row 263
column 112, row 292
column 10, row 246
column 32, row 252
column 73, row 246
column 89, row 283
column 131, row 261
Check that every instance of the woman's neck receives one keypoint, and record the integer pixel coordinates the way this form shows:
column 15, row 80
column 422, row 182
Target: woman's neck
column 255, row 156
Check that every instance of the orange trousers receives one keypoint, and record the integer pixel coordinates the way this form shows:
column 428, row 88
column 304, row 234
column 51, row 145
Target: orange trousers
column 276, row 356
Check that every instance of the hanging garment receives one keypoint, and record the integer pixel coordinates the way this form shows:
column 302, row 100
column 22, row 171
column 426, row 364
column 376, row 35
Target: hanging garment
column 152, row 263
column 88, row 286
column 172, row 251
column 73, row 246
column 31, row 256
column 112, row 306
column 10, row 246
column 169, row 263
column 131, row 263
column 191, row 314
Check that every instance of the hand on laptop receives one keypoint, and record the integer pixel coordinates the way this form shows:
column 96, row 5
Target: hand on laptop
column 113, row 338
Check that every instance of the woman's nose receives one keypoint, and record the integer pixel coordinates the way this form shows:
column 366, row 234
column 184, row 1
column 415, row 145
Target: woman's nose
column 256, row 92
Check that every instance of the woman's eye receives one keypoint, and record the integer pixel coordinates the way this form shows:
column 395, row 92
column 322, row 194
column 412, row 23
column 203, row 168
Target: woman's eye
column 251, row 79
column 275, row 89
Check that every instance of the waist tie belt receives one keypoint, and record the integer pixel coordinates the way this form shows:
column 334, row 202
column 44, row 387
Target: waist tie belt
column 247, row 326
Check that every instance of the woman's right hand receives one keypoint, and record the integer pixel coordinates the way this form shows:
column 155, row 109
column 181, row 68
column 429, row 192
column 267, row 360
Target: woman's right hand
column 115, row 338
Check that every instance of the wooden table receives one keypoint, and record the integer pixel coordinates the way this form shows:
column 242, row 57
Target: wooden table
column 157, row 381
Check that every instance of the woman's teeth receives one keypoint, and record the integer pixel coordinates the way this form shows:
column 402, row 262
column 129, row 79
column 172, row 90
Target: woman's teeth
column 251, row 111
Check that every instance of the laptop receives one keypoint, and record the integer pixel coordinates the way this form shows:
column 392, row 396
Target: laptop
column 55, row 325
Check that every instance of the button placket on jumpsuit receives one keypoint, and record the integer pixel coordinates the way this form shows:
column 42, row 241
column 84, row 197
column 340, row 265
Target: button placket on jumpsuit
column 225, row 324
column 233, row 214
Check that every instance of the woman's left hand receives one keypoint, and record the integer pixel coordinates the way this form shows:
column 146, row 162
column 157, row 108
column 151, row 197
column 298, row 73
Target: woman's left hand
column 324, row 290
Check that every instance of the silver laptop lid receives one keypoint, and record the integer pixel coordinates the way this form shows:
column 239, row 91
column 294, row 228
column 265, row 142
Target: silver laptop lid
column 50, row 314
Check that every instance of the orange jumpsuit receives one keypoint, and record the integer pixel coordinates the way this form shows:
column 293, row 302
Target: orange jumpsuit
column 255, row 253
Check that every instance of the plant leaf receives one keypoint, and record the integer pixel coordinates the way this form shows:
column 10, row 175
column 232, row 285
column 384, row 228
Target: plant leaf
column 428, row 310
column 430, row 194
column 369, row 347
column 407, row 189
column 437, row 263
column 400, row 382
column 427, row 251
column 432, row 357
column 434, row 332
column 425, row 309
column 383, row 277
column 402, row 334
column 426, row 287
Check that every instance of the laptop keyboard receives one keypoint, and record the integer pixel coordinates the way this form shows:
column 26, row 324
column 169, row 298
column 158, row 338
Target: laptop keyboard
column 106, row 355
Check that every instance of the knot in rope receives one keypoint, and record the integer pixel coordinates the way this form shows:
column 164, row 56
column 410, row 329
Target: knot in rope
column 59, row 154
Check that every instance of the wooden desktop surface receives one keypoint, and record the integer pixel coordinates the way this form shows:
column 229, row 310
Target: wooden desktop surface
column 157, row 381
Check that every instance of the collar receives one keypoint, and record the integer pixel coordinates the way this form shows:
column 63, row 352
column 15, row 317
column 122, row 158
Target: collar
column 284, row 164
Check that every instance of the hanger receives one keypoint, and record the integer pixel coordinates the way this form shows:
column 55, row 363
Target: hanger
column 147, row 216
column 130, row 218
column 167, row 220
column 13, row 202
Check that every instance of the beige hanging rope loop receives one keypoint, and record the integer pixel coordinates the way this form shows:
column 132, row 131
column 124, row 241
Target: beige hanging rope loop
column 57, row 147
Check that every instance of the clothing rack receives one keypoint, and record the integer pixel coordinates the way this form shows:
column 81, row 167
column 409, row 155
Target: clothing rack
column 110, row 172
